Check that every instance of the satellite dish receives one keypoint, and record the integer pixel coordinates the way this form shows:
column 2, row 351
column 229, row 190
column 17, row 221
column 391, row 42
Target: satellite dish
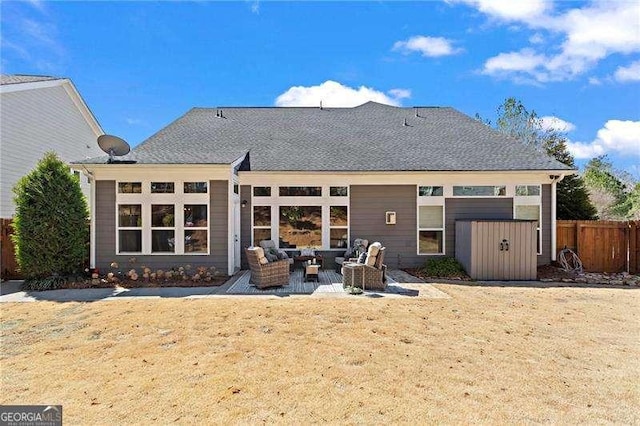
column 113, row 145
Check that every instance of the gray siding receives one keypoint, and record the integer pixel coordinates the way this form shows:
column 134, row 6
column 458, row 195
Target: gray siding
column 245, row 224
column 472, row 208
column 367, row 215
column 545, row 257
column 36, row 121
column 106, row 233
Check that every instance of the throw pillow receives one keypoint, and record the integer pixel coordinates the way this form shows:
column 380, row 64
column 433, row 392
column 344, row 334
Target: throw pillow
column 307, row 252
column 263, row 260
column 271, row 257
column 362, row 258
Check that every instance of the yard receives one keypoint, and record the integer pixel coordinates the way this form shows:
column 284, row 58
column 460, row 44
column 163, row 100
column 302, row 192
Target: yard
column 488, row 354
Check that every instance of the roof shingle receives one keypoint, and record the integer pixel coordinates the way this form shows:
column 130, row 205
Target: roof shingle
column 369, row 137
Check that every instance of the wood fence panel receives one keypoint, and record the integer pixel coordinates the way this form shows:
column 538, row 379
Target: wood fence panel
column 634, row 247
column 567, row 236
column 9, row 268
column 603, row 246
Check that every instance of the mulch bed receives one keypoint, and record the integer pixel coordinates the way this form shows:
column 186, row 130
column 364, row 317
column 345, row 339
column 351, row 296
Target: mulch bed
column 417, row 272
column 101, row 283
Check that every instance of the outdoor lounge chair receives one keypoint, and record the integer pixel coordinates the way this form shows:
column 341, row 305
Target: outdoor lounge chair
column 270, row 250
column 265, row 274
column 371, row 274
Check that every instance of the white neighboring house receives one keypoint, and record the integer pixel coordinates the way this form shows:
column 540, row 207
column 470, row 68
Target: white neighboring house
column 40, row 114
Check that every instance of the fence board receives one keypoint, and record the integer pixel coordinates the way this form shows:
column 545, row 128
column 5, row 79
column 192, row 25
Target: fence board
column 634, row 247
column 9, row 266
column 603, row 246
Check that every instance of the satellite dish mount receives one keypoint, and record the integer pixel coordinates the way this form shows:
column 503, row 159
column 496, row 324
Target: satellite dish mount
column 114, row 146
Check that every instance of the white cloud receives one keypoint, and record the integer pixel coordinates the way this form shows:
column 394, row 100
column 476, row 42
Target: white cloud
column 510, row 10
column 31, row 39
column 618, row 136
column 428, row 46
column 334, row 94
column 595, row 81
column 629, row 73
column 550, row 122
column 133, row 121
column 537, row 38
column 589, row 34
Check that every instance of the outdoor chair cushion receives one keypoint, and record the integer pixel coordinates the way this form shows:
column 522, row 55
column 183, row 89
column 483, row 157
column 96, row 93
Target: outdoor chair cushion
column 372, row 253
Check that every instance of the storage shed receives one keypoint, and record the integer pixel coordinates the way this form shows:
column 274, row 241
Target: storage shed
column 497, row 249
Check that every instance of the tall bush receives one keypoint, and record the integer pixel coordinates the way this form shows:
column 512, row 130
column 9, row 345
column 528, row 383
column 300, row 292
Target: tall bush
column 50, row 225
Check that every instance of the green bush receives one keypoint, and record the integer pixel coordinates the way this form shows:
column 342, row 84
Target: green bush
column 51, row 233
column 443, row 267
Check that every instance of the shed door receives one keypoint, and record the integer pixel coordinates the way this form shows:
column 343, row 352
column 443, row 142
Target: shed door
column 507, row 250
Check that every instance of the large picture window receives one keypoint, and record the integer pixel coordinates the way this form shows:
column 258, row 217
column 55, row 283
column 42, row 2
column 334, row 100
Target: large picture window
column 261, row 224
column 300, row 226
column 527, row 206
column 130, row 228
column 338, row 227
column 162, row 217
column 196, row 221
column 430, row 229
column 163, row 228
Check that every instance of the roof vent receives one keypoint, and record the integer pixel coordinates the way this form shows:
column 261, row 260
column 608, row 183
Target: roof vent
column 321, row 104
column 405, row 123
column 417, row 115
column 219, row 113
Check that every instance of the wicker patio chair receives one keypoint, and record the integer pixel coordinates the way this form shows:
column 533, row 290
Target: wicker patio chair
column 266, row 274
column 372, row 276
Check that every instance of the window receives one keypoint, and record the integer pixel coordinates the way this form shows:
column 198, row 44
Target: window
column 176, row 217
column 530, row 213
column 300, row 226
column 130, row 187
column 430, row 191
column 262, row 191
column 300, row 191
column 527, row 190
column 339, row 191
column 236, row 188
column 130, row 228
column 430, row 229
column 162, row 187
column 480, row 191
column 338, row 227
column 162, row 218
column 195, row 187
column 261, row 224
column 196, row 221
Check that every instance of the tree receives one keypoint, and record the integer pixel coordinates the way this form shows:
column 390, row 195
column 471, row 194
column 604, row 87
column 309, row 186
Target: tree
column 50, row 224
column 516, row 121
column 615, row 194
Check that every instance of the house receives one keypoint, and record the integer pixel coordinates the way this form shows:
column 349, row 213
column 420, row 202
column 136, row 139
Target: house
column 40, row 114
column 218, row 180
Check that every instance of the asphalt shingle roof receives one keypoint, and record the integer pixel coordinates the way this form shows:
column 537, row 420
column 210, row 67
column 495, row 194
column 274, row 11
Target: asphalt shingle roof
column 369, row 137
column 19, row 78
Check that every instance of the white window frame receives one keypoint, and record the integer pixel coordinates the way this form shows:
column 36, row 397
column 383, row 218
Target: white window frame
column 431, row 200
column 254, row 227
column 178, row 199
column 127, row 228
column 325, row 201
column 530, row 200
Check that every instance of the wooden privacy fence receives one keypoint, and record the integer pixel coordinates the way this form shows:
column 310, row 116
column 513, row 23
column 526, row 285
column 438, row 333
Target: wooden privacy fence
column 603, row 246
column 8, row 265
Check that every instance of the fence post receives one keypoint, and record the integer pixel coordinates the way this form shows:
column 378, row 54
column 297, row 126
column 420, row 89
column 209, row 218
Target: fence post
column 633, row 247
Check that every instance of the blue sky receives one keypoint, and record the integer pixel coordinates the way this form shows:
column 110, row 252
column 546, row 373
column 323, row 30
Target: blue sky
column 140, row 65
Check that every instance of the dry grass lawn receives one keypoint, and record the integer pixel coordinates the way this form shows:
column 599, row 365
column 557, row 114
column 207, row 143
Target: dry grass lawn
column 488, row 354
